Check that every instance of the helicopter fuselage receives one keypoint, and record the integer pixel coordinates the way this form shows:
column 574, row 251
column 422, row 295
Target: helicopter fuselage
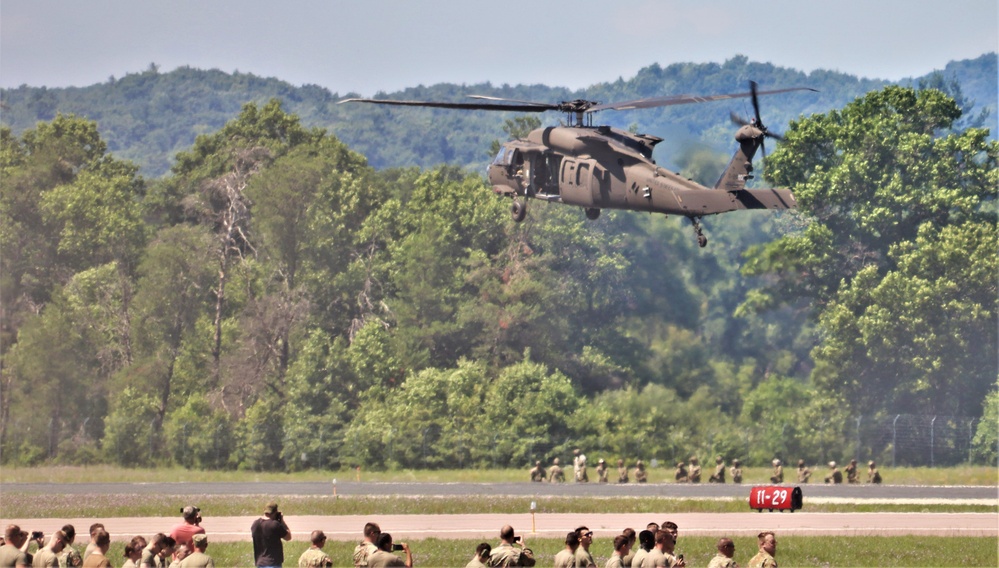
column 606, row 168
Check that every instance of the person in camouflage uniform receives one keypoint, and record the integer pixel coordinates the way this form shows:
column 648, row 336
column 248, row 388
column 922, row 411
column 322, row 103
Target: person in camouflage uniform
column 367, row 547
column 694, row 473
column 622, row 472
column 602, row 471
column 736, row 471
column 555, row 473
column 852, row 475
column 726, row 550
column 768, row 548
column 719, row 475
column 314, row 557
column 803, row 472
column 537, row 472
column 872, row 473
column 641, row 476
column 680, row 473
column 778, row 476
column 70, row 556
column 835, row 475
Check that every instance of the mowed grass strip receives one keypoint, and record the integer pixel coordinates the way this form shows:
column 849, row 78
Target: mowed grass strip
column 962, row 475
column 822, row 551
column 27, row 506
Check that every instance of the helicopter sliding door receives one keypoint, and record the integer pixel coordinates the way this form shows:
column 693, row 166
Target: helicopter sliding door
column 582, row 182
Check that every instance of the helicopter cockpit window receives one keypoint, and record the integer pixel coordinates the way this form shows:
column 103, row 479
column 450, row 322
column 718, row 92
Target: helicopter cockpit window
column 507, row 157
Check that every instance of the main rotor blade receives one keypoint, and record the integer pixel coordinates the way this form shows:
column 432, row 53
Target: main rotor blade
column 686, row 99
column 532, row 107
column 489, row 98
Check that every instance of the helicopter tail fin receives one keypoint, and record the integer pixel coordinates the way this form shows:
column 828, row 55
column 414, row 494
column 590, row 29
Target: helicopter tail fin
column 740, row 168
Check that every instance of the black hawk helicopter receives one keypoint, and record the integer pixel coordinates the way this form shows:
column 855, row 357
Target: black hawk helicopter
column 601, row 167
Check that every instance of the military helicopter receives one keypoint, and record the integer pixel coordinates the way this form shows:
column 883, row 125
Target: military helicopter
column 601, row 167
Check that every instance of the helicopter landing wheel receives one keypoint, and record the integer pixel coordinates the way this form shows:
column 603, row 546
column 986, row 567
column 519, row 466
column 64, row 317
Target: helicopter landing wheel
column 702, row 241
column 592, row 213
column 518, row 210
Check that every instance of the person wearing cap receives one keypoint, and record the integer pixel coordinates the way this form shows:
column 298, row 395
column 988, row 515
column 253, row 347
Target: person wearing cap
column 511, row 551
column 314, row 557
column 641, row 476
column 191, row 526
column 601, row 471
column 803, row 472
column 566, row 558
column 726, row 550
column 198, row 558
column 537, row 472
column 268, row 531
column 694, row 473
column 384, row 558
column 194, row 554
column 555, row 473
column 622, row 472
column 481, row 556
column 872, row 473
column 736, row 471
column 835, row 476
column 367, row 547
column 719, row 475
column 852, row 475
column 680, row 473
column 778, row 476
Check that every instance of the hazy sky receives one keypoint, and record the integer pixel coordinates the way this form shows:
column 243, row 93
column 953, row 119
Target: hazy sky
column 385, row 45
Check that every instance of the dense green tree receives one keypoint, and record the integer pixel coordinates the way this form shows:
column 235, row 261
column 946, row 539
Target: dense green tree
column 897, row 257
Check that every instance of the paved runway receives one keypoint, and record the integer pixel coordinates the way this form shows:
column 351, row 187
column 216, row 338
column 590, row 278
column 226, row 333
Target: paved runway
column 348, row 527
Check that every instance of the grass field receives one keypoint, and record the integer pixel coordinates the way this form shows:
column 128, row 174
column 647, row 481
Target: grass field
column 27, row 506
column 698, row 551
column 965, row 475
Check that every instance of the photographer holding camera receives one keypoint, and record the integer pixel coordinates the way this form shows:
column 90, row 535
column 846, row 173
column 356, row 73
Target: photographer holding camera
column 383, row 557
column 185, row 531
column 268, row 531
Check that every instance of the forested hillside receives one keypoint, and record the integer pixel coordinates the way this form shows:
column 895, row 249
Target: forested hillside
column 278, row 303
column 148, row 117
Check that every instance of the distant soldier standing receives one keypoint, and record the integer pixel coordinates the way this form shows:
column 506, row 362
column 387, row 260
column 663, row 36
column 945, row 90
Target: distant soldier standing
column 872, row 473
column 719, row 475
column 537, row 472
column 736, row 471
column 694, row 474
column 602, row 471
column 555, row 473
column 622, row 472
column 579, row 466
